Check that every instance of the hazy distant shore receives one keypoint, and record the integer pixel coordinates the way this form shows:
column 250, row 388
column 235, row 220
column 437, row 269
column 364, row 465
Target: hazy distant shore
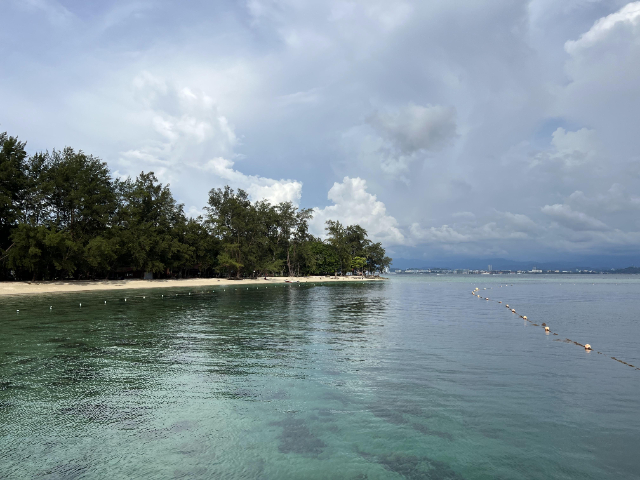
column 34, row 288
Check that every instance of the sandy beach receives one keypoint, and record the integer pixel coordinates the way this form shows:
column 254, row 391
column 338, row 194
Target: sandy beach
column 34, row 288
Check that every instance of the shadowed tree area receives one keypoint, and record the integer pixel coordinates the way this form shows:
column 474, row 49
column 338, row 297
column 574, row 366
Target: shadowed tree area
column 63, row 216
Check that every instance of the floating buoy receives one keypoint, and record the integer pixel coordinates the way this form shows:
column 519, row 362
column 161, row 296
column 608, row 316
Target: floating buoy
column 507, row 305
column 525, row 317
column 144, row 298
column 587, row 347
column 51, row 307
column 513, row 310
column 81, row 305
column 546, row 329
column 17, row 311
column 487, row 298
column 105, row 302
column 499, row 302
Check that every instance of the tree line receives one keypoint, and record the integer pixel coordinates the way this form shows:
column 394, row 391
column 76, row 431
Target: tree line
column 63, row 215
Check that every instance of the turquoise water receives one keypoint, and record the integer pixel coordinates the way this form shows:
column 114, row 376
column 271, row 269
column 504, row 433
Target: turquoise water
column 409, row 378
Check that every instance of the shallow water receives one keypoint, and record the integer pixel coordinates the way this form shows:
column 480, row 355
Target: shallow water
column 409, row 378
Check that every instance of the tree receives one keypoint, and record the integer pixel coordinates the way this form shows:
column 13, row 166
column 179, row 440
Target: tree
column 13, row 182
column 376, row 257
column 337, row 238
column 148, row 220
column 229, row 217
column 358, row 263
column 62, row 215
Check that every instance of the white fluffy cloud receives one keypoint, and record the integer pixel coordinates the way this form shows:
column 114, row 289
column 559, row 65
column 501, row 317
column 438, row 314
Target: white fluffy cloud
column 618, row 23
column 568, row 150
column 572, row 219
column 574, row 148
column 616, row 199
column 506, row 226
column 189, row 140
column 259, row 188
column 353, row 204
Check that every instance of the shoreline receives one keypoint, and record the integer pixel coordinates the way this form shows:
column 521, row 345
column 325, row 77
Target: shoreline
column 70, row 286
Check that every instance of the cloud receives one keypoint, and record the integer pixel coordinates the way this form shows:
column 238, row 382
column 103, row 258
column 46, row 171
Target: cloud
column 574, row 148
column 182, row 128
column 464, row 215
column 395, row 138
column 574, row 220
column 190, row 140
column 415, row 127
column 519, row 222
column 616, row 199
column 442, row 234
column 259, row 188
column 507, row 226
column 627, row 18
column 55, row 13
column 446, row 107
column 568, row 150
column 352, row 204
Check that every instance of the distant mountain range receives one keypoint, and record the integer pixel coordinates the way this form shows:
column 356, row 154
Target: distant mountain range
column 603, row 262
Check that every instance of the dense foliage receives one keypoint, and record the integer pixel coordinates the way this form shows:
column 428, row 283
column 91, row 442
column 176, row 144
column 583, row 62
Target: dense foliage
column 62, row 215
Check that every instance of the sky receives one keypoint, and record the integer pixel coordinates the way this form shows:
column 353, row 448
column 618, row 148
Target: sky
column 458, row 129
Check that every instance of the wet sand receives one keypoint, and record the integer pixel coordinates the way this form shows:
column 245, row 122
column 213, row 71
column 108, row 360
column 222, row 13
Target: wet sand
column 34, row 288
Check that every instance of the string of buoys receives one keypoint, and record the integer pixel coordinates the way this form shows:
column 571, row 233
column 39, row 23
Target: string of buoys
column 547, row 330
column 162, row 296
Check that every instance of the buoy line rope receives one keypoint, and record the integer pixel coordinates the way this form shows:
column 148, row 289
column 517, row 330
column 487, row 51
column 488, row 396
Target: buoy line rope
column 586, row 346
column 165, row 296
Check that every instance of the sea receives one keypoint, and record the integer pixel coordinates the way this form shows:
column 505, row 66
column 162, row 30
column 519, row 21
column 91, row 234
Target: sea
column 413, row 377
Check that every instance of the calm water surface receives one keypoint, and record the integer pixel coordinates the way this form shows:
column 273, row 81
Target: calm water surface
column 409, row 378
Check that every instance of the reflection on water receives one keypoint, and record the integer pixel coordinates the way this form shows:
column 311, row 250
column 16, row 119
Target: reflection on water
column 410, row 378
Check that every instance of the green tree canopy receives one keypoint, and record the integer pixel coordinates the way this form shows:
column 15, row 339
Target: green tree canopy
column 62, row 215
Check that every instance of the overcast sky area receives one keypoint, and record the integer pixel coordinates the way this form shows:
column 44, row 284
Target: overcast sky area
column 458, row 129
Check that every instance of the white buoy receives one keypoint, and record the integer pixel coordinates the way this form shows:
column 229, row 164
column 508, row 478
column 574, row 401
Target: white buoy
column 105, row 302
column 525, row 317
column 144, row 298
column 546, row 329
column 125, row 299
column 587, row 347
column 51, row 307
column 17, row 311
column 81, row 305
column 513, row 310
